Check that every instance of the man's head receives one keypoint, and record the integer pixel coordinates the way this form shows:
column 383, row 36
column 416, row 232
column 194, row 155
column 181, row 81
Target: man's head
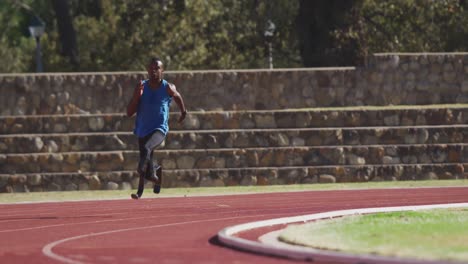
column 155, row 69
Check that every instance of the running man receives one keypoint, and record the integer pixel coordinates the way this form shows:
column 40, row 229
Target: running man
column 151, row 101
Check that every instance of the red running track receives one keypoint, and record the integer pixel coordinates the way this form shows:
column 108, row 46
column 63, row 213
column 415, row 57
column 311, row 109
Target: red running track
column 173, row 230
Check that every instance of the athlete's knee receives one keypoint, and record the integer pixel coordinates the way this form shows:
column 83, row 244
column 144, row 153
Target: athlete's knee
column 145, row 153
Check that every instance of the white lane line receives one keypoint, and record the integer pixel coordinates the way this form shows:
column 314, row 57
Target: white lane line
column 146, row 217
column 47, row 250
column 90, row 222
column 53, row 211
column 44, row 217
column 200, row 201
column 227, row 235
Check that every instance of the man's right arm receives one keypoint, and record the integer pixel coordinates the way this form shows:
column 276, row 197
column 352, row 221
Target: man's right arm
column 133, row 104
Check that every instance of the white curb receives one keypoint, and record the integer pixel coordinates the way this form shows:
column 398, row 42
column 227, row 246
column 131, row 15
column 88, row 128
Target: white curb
column 226, row 237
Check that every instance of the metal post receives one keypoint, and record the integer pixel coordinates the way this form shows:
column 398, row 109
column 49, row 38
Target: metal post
column 36, row 28
column 270, row 59
column 39, row 67
column 269, row 34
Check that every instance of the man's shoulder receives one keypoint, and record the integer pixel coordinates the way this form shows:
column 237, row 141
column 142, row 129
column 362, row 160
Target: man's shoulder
column 170, row 88
column 167, row 82
column 169, row 85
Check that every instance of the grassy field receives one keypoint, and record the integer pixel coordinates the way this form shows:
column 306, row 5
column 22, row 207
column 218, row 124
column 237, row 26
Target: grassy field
column 428, row 235
column 170, row 192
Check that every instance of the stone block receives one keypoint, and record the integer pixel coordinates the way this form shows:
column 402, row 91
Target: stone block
column 326, row 178
column 112, row 186
column 265, row 121
column 34, row 180
column 125, row 186
column 71, row 187
column 248, row 180
column 94, row 182
column 185, row 162
column 83, row 186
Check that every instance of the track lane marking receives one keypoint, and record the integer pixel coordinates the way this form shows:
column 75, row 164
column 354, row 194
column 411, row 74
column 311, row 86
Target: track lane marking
column 287, row 203
column 146, row 217
column 47, row 250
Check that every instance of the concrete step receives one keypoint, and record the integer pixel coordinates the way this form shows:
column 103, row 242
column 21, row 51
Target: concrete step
column 236, row 157
column 112, row 180
column 235, row 138
column 293, row 118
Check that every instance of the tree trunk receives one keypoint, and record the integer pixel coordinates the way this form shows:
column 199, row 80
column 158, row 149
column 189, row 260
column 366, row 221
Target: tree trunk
column 315, row 22
column 66, row 30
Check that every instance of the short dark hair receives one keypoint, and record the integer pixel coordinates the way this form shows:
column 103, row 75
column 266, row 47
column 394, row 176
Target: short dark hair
column 155, row 60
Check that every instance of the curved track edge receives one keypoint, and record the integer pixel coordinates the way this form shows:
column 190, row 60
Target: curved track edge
column 227, row 237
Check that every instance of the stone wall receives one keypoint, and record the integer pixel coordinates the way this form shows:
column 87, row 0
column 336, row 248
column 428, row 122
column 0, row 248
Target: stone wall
column 77, row 152
column 406, row 79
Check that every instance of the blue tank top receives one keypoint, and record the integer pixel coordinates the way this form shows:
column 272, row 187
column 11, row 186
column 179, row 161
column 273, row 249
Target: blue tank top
column 153, row 110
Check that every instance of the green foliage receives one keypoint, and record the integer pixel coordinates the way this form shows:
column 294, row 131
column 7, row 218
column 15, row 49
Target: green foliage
column 14, row 59
column 120, row 35
column 208, row 34
column 15, row 44
column 405, row 26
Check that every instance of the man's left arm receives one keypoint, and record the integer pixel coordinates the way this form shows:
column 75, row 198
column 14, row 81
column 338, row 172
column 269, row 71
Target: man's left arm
column 171, row 89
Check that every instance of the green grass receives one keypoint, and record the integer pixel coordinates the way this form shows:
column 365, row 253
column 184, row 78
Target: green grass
column 428, row 235
column 170, row 192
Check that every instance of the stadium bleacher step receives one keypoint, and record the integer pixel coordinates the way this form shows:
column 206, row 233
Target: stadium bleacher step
column 237, row 138
column 293, row 118
column 238, row 157
column 126, row 180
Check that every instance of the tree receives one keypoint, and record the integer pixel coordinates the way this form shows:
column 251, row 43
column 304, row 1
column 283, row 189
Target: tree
column 405, row 26
column 16, row 48
column 340, row 32
column 212, row 34
column 119, row 35
column 316, row 21
column 66, row 31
